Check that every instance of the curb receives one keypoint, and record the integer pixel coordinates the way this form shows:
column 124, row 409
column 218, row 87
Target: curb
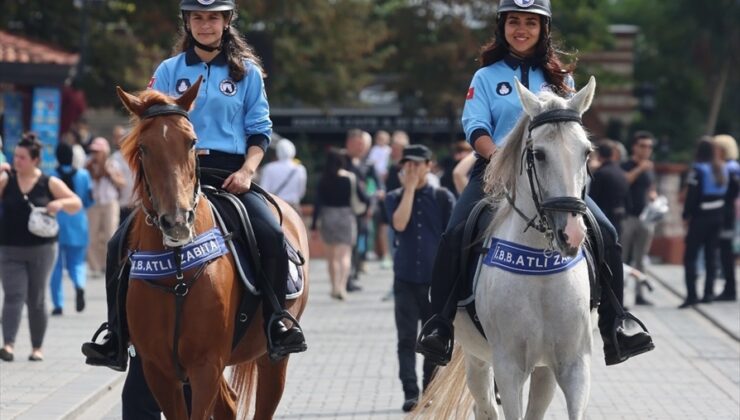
column 709, row 317
column 95, row 396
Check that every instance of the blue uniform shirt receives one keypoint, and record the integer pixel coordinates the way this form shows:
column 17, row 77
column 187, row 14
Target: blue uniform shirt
column 492, row 104
column 705, row 197
column 73, row 228
column 417, row 244
column 225, row 112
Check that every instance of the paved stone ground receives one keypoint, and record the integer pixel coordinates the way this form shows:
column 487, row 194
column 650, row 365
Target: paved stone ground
column 350, row 370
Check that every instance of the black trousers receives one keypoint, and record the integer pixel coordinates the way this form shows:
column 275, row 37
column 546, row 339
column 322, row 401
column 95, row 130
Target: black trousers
column 411, row 307
column 703, row 232
column 727, row 259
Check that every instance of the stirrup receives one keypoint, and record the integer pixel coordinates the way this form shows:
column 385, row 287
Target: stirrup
column 277, row 353
column 105, row 326
column 618, row 322
column 436, row 321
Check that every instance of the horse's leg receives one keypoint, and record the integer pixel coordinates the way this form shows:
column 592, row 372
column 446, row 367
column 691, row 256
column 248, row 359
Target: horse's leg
column 205, row 385
column 478, row 377
column 167, row 390
column 575, row 380
column 225, row 407
column 270, row 386
column 541, row 389
column 510, row 378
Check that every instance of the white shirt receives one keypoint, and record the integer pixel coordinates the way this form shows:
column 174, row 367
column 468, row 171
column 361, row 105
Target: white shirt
column 127, row 191
column 379, row 157
column 286, row 179
column 104, row 190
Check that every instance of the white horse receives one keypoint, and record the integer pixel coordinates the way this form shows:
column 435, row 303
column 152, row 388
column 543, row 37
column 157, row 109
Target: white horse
column 537, row 326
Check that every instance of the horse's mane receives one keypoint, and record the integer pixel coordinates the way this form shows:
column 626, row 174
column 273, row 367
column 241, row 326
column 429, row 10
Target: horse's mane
column 130, row 144
column 502, row 173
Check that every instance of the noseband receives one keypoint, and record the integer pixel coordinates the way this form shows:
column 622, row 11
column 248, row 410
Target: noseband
column 555, row 204
column 157, row 110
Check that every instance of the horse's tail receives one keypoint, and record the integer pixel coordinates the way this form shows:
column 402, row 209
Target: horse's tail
column 447, row 396
column 244, row 383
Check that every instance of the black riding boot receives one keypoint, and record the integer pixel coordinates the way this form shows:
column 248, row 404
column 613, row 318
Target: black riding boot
column 281, row 340
column 437, row 336
column 112, row 351
column 619, row 345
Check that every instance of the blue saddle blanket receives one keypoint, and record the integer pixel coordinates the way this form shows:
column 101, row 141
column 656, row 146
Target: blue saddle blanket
column 207, row 246
column 521, row 259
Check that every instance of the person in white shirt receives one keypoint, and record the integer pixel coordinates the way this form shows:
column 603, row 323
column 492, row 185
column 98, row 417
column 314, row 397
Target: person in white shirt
column 380, row 154
column 285, row 177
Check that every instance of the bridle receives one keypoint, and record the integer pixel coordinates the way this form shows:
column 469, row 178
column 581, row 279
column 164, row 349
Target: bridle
column 157, row 110
column 540, row 221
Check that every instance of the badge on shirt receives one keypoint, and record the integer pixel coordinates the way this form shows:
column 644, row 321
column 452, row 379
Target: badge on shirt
column 471, row 94
column 520, row 3
column 503, row 88
column 227, row 87
column 182, row 85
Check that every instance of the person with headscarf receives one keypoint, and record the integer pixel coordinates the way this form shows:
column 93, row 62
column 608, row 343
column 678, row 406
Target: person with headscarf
column 286, row 177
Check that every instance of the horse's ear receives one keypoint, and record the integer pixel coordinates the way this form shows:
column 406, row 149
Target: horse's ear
column 530, row 103
column 581, row 101
column 131, row 102
column 185, row 101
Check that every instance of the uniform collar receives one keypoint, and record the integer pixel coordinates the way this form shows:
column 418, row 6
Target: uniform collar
column 191, row 58
column 514, row 62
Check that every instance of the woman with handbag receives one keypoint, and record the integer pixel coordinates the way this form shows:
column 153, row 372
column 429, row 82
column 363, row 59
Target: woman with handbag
column 338, row 202
column 28, row 242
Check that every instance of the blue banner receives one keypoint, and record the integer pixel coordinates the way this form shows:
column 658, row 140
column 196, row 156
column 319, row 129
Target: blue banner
column 520, row 259
column 205, row 247
column 46, row 113
column 12, row 122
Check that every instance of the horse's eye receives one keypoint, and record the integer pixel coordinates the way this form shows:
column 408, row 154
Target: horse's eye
column 193, row 142
column 142, row 150
column 539, row 155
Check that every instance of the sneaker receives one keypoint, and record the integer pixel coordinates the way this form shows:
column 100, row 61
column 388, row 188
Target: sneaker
column 726, row 297
column 56, row 312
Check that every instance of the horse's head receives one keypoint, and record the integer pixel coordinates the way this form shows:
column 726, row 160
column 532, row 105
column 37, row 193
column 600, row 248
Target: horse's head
column 552, row 146
column 161, row 152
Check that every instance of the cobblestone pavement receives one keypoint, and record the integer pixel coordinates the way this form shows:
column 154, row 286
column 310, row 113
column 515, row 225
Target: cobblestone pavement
column 350, row 370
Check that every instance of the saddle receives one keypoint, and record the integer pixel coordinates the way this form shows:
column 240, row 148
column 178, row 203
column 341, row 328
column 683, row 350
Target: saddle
column 473, row 251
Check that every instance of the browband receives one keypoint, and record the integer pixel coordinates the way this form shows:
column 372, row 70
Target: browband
column 555, row 116
column 163, row 109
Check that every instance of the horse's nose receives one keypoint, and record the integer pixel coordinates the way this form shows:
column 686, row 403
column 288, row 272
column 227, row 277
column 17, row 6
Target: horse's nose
column 563, row 236
column 191, row 216
column 166, row 222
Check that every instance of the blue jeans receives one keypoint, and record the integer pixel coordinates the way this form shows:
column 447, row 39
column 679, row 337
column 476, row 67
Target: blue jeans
column 73, row 257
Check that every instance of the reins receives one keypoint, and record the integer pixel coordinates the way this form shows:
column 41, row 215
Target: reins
column 540, row 221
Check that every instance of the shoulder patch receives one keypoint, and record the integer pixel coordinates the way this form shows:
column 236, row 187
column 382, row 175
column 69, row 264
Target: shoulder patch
column 151, row 82
column 182, row 85
column 503, row 88
column 471, row 94
column 227, row 87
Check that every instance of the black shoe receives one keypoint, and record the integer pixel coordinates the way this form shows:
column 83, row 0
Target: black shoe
column 80, row 300
column 409, row 404
column 707, row 299
column 56, row 311
column 352, row 286
column 688, row 303
column 436, row 341
column 627, row 346
column 639, row 300
column 107, row 353
column 282, row 341
column 726, row 297
column 6, row 355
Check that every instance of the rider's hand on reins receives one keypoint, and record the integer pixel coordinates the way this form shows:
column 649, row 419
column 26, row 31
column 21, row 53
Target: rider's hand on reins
column 238, row 182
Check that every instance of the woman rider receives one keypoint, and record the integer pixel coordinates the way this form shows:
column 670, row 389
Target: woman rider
column 521, row 49
column 231, row 119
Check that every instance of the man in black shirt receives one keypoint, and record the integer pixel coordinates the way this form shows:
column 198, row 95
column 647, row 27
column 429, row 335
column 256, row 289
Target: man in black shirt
column 636, row 235
column 609, row 188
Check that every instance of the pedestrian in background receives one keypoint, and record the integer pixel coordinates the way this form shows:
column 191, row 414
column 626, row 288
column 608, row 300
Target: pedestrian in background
column 103, row 215
column 357, row 145
column 609, row 188
column 285, row 177
column 73, row 232
column 707, row 186
column 728, row 153
column 380, row 154
column 336, row 220
column 419, row 213
column 126, row 202
column 636, row 235
column 26, row 260
column 460, row 149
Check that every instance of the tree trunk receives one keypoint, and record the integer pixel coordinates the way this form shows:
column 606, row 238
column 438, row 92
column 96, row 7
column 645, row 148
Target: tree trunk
column 719, row 92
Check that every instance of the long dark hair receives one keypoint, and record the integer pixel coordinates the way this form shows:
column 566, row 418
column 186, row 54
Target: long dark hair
column 234, row 46
column 546, row 54
column 706, row 153
column 336, row 159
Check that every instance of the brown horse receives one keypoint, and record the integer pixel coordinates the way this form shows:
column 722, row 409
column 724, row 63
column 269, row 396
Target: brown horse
column 161, row 152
